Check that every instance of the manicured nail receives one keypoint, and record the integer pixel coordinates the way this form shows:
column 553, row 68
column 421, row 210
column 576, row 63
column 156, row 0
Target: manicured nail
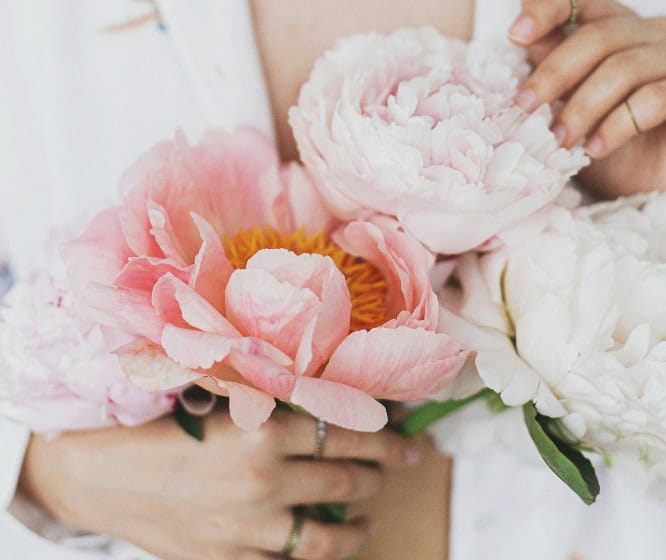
column 372, row 528
column 526, row 99
column 595, row 146
column 522, row 29
column 413, row 456
column 560, row 132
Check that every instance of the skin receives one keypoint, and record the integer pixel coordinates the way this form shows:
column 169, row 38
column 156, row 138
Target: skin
column 226, row 498
column 231, row 496
column 614, row 58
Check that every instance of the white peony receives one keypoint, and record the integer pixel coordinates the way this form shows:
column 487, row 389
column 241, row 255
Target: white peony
column 575, row 320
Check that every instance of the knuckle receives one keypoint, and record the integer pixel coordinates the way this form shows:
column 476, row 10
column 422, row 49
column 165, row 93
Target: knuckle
column 654, row 96
column 343, row 483
column 623, row 64
column 257, row 484
column 548, row 75
column 325, row 546
column 349, row 443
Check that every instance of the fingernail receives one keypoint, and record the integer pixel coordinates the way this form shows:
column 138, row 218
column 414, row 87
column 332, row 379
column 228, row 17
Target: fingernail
column 526, row 99
column 372, row 528
column 413, row 456
column 560, row 132
column 522, row 29
column 595, row 146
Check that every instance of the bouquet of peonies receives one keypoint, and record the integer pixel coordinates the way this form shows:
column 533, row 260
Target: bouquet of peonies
column 316, row 285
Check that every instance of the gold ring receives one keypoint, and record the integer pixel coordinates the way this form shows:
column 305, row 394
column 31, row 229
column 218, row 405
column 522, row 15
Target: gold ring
column 294, row 535
column 573, row 15
column 320, row 445
column 633, row 117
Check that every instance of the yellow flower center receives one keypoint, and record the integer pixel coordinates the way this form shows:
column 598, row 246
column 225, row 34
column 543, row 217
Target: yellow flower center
column 366, row 284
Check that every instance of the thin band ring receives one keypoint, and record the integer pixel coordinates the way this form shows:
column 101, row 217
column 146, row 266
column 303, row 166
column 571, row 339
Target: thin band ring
column 294, row 535
column 573, row 15
column 320, row 444
column 633, row 117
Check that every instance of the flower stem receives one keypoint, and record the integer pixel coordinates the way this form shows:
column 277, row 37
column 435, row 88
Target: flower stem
column 421, row 418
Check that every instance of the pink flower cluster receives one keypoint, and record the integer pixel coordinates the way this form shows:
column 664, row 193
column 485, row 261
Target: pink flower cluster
column 58, row 372
column 230, row 272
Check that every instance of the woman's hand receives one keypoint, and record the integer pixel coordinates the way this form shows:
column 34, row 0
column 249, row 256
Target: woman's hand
column 228, row 497
column 612, row 73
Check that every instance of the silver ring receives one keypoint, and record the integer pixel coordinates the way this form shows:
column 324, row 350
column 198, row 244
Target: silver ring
column 294, row 535
column 320, row 445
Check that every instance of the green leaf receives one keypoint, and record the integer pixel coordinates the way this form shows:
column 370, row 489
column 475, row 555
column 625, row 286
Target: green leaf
column 495, row 403
column 569, row 464
column 328, row 513
column 190, row 423
column 421, row 418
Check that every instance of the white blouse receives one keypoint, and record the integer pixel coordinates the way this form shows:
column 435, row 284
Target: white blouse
column 79, row 101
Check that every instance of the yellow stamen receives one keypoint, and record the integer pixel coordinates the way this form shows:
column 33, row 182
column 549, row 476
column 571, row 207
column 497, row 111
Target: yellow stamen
column 366, row 284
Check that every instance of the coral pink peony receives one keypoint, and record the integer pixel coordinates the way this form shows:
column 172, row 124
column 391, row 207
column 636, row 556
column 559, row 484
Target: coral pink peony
column 423, row 128
column 233, row 274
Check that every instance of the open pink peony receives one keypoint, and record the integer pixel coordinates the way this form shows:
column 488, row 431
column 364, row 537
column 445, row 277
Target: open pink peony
column 423, row 128
column 232, row 274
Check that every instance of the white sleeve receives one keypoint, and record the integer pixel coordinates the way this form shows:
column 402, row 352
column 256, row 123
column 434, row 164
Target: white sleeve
column 13, row 442
column 647, row 8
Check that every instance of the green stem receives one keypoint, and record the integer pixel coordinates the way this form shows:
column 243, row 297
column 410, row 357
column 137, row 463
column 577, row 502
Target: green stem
column 420, row 419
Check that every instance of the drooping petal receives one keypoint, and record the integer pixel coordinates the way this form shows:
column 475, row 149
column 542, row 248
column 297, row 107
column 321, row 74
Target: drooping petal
column 398, row 364
column 248, row 408
column 339, row 404
column 263, row 366
column 193, row 348
column 151, row 369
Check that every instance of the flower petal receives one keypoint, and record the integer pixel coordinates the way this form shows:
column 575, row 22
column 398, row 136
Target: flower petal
column 97, row 255
column 151, row 369
column 320, row 275
column 212, row 269
column 339, row 404
column 399, row 364
column 127, row 309
column 261, row 306
column 141, row 273
column 180, row 305
column 194, row 349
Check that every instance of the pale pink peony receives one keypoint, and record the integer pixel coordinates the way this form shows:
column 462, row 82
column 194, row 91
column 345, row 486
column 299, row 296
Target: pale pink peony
column 423, row 128
column 223, row 263
column 57, row 369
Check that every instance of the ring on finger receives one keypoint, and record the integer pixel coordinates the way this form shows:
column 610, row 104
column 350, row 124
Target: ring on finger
column 320, row 444
column 573, row 14
column 633, row 117
column 294, row 535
